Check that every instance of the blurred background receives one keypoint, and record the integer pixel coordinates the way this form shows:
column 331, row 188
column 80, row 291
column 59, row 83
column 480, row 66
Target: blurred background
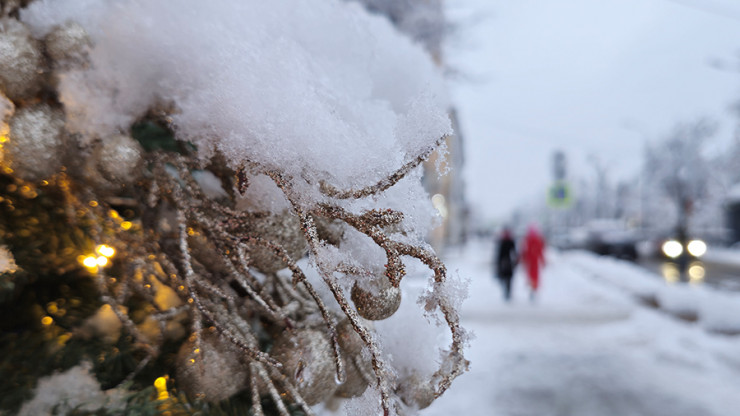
column 613, row 125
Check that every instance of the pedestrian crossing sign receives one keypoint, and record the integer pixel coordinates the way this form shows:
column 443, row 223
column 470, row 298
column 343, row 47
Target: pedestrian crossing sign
column 559, row 195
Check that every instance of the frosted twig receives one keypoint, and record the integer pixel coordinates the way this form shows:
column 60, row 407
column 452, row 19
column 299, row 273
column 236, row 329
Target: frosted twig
column 254, row 389
column 272, row 390
column 384, row 183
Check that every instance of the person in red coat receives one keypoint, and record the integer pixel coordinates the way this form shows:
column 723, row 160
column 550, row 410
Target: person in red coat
column 533, row 257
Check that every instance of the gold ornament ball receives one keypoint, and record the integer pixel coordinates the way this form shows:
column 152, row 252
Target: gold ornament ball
column 214, row 372
column 120, row 158
column 377, row 299
column 68, row 45
column 416, row 392
column 33, row 149
column 21, row 61
column 328, row 230
column 283, row 229
column 308, row 363
column 359, row 370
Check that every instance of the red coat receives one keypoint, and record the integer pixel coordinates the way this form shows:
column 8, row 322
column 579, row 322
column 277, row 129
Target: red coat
column 533, row 256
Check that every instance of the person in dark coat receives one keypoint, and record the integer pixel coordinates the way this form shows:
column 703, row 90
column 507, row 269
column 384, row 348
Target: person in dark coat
column 506, row 260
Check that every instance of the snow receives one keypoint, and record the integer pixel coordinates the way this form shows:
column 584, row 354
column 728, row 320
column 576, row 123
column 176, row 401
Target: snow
column 722, row 255
column 317, row 90
column 589, row 346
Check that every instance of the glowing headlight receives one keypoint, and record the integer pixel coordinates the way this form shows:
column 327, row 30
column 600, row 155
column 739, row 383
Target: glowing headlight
column 697, row 248
column 672, row 248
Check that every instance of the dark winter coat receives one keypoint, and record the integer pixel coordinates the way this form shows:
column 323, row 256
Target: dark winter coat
column 506, row 257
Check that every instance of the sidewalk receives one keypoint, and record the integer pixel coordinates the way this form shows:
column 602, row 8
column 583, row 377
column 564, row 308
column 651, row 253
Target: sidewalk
column 585, row 347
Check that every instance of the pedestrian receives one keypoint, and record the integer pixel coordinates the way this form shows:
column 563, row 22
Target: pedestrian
column 505, row 260
column 533, row 257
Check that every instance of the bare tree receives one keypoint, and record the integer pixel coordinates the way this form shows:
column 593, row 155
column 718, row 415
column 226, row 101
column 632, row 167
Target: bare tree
column 678, row 169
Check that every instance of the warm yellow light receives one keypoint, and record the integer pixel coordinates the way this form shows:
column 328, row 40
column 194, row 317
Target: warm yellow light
column 161, row 385
column 126, row 225
column 670, row 272
column 93, row 204
column 105, row 250
column 113, row 213
column 47, row 320
column 3, row 139
column 52, row 308
column 696, row 272
column 62, row 339
column 440, row 204
column 101, row 261
column 91, row 262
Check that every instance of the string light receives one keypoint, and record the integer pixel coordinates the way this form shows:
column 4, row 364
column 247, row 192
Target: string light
column 90, row 262
column 93, row 262
column 161, row 385
column 105, row 250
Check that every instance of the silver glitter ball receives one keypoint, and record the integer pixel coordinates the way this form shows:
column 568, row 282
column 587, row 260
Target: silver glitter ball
column 308, row 363
column 36, row 137
column 283, row 229
column 21, row 61
column 215, row 372
column 376, row 299
column 68, row 45
column 120, row 158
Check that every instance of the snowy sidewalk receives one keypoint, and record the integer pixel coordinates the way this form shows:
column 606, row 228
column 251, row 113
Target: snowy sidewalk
column 585, row 347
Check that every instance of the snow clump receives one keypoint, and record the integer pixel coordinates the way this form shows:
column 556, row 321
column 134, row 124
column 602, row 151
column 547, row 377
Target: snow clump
column 321, row 91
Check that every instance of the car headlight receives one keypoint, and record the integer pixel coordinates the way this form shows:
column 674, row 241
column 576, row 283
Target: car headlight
column 672, row 248
column 696, row 248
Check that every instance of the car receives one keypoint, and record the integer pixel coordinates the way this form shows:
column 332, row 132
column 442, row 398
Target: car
column 621, row 244
column 607, row 238
column 673, row 248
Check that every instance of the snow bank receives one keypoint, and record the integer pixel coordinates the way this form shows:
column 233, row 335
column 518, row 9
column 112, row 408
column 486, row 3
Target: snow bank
column 713, row 310
column 319, row 90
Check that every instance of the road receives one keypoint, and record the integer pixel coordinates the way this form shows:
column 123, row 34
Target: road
column 722, row 275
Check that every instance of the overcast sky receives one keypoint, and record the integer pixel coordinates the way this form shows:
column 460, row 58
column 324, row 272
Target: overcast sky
column 588, row 77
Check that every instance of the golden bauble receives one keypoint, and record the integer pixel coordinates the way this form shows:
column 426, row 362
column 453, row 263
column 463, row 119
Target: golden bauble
column 120, row 158
column 308, row 363
column 283, row 229
column 376, row 299
column 416, row 392
column 21, row 61
column 35, row 142
column 214, row 372
column 359, row 370
column 68, row 45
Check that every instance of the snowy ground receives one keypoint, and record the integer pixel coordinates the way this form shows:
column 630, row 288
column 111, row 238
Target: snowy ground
column 589, row 346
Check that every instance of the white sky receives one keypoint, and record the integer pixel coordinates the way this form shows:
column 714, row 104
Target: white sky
column 586, row 77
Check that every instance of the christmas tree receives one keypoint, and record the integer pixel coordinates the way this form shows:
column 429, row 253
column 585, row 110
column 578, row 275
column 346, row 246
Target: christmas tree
column 213, row 209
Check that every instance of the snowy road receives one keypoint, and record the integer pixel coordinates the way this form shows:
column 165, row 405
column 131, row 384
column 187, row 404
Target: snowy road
column 585, row 347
